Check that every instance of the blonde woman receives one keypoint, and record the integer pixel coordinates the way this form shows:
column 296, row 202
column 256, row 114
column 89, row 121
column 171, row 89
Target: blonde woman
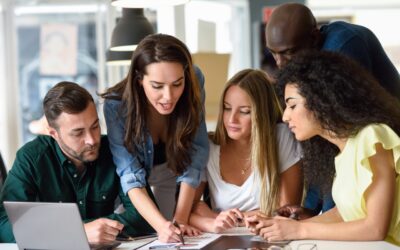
column 254, row 161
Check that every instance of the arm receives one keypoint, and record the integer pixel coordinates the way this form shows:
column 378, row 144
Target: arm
column 199, row 154
column 205, row 219
column 201, row 216
column 379, row 198
column 132, row 174
column 191, row 178
column 330, row 216
column 291, row 186
column 150, row 212
column 184, row 207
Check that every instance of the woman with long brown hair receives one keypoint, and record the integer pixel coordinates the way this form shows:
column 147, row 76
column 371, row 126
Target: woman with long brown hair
column 155, row 118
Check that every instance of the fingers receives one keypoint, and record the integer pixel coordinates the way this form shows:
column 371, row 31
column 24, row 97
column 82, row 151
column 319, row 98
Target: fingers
column 230, row 218
column 256, row 222
column 102, row 230
column 189, row 230
column 169, row 233
column 269, row 235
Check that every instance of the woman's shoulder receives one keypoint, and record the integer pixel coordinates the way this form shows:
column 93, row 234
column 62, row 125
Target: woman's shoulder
column 113, row 106
column 214, row 148
column 376, row 130
column 112, row 101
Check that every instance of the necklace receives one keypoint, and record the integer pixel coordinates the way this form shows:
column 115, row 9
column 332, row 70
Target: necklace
column 243, row 171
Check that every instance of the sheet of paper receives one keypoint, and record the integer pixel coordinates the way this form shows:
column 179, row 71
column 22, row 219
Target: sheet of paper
column 195, row 242
column 237, row 231
column 135, row 244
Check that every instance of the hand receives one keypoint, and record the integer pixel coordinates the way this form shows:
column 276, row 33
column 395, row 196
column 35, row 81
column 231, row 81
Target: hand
column 294, row 212
column 168, row 232
column 276, row 228
column 189, row 230
column 102, row 230
column 227, row 219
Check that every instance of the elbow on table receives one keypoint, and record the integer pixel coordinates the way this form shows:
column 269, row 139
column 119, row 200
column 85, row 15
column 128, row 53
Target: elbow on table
column 377, row 233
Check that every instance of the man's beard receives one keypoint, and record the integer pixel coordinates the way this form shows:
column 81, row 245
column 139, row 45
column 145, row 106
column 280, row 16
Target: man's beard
column 80, row 156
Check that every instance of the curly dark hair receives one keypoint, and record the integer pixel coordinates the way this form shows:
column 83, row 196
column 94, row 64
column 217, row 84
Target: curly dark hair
column 343, row 97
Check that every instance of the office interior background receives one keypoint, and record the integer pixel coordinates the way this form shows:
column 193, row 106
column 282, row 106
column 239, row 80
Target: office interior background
column 43, row 42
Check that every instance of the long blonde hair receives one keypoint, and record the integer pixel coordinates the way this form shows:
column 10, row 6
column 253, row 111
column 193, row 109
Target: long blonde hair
column 266, row 112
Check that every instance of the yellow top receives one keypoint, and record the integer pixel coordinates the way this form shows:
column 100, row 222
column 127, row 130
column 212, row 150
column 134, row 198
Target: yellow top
column 354, row 175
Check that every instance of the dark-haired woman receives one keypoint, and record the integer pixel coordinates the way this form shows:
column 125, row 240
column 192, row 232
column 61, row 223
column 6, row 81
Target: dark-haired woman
column 329, row 96
column 155, row 118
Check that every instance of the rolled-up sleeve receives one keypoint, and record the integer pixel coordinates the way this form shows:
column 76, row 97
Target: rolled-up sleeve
column 129, row 168
column 199, row 155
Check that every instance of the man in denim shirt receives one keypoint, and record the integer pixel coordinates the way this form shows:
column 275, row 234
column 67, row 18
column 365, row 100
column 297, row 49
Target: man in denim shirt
column 292, row 28
column 73, row 164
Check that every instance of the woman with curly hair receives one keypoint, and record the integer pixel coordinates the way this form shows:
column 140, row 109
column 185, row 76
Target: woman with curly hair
column 254, row 161
column 332, row 98
column 157, row 133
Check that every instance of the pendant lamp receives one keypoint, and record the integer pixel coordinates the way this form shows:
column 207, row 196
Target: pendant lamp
column 146, row 3
column 131, row 28
column 118, row 58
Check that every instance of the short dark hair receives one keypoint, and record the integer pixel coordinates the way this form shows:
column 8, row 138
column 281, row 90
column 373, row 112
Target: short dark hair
column 65, row 97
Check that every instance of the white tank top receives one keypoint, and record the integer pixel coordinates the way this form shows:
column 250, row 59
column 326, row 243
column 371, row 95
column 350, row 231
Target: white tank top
column 226, row 196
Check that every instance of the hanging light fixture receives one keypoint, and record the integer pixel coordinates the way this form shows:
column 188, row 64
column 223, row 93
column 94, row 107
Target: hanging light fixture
column 118, row 58
column 146, row 3
column 131, row 28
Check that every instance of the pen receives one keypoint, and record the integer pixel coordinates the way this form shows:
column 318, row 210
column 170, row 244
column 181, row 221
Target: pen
column 124, row 236
column 294, row 216
column 180, row 235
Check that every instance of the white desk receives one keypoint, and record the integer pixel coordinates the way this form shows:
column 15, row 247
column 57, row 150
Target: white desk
column 334, row 245
column 307, row 244
column 294, row 245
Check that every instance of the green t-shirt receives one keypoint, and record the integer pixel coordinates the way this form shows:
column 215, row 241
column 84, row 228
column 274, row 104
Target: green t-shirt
column 41, row 172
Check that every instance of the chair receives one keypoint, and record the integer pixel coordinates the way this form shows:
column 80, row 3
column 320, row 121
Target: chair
column 3, row 172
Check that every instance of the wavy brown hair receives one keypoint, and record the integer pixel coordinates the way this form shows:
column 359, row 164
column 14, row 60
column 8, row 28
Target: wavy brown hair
column 343, row 97
column 183, row 122
column 265, row 114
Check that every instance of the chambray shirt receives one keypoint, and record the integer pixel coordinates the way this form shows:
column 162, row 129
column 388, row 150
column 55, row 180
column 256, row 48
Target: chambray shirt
column 41, row 172
column 133, row 169
column 360, row 44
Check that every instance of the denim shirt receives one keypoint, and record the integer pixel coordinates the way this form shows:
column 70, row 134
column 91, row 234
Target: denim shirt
column 360, row 44
column 134, row 168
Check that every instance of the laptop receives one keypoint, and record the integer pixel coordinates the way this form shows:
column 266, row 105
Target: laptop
column 42, row 225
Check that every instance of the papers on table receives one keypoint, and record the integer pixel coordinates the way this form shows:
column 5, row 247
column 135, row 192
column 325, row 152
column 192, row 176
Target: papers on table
column 195, row 242
column 135, row 244
column 237, row 231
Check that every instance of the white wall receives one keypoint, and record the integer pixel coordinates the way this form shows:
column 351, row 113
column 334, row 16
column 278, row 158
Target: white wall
column 9, row 137
column 381, row 17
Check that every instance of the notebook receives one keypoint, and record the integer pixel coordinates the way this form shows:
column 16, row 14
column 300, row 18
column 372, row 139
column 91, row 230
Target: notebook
column 41, row 225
